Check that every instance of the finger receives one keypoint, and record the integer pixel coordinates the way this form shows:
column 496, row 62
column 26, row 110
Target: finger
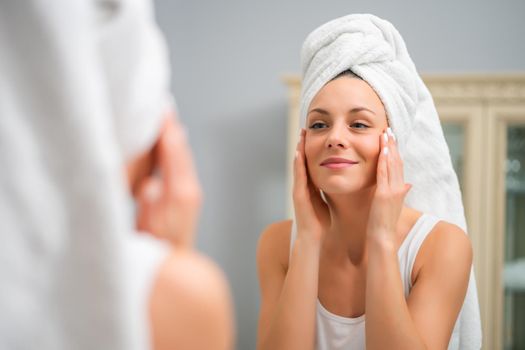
column 183, row 222
column 314, row 192
column 164, row 219
column 299, row 194
column 382, row 167
column 302, row 196
column 395, row 170
column 148, row 200
column 174, row 157
column 315, row 197
column 299, row 164
column 300, row 142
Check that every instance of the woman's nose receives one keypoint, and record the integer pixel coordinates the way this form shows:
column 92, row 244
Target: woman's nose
column 337, row 138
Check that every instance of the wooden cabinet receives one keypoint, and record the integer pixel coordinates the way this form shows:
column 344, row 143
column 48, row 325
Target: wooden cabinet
column 483, row 117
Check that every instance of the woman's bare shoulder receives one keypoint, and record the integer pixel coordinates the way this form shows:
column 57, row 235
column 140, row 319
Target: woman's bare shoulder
column 274, row 243
column 451, row 242
column 449, row 239
column 446, row 246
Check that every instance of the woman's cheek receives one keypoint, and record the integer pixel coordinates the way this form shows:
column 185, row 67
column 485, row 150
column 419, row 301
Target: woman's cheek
column 369, row 146
column 370, row 150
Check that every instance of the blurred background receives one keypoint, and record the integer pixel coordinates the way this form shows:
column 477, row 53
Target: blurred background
column 229, row 59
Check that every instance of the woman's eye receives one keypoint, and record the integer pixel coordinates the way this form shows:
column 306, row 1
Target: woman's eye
column 317, row 125
column 359, row 126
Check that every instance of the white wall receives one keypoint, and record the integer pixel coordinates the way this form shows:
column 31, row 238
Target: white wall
column 228, row 57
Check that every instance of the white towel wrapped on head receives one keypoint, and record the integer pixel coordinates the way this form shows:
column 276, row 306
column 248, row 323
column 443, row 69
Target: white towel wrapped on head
column 375, row 51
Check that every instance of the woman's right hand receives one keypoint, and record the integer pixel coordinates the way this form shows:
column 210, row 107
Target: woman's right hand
column 169, row 204
column 311, row 212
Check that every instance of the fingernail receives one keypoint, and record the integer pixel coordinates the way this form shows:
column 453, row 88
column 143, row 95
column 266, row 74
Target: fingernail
column 385, row 137
column 391, row 133
column 385, row 150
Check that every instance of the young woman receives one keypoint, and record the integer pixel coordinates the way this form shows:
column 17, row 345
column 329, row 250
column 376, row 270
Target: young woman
column 357, row 251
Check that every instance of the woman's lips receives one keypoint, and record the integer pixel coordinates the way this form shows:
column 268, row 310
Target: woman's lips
column 337, row 163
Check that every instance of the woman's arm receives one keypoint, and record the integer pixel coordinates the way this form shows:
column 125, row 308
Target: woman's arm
column 426, row 320
column 287, row 318
column 288, row 298
column 190, row 305
column 443, row 279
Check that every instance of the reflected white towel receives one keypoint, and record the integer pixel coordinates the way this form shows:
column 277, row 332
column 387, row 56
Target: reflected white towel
column 83, row 86
column 374, row 50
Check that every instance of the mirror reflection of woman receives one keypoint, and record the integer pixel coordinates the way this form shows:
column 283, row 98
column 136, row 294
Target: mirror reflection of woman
column 92, row 259
column 356, row 252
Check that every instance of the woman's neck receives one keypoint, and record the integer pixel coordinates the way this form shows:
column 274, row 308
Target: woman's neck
column 349, row 219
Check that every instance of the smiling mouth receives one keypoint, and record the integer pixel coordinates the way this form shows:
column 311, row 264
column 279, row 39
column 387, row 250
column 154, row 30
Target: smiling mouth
column 338, row 163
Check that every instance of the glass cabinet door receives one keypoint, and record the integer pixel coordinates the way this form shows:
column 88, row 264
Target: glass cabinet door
column 504, row 324
column 455, row 137
column 514, row 242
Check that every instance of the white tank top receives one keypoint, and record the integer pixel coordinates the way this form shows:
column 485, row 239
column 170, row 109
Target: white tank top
column 334, row 332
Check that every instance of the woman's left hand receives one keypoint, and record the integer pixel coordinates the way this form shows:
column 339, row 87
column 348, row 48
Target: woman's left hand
column 390, row 193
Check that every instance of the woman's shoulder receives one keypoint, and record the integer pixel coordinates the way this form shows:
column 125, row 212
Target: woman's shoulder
column 446, row 246
column 443, row 234
column 449, row 239
column 274, row 243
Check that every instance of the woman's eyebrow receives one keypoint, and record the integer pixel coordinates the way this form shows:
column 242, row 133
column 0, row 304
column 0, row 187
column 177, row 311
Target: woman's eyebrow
column 359, row 109
column 353, row 110
column 319, row 110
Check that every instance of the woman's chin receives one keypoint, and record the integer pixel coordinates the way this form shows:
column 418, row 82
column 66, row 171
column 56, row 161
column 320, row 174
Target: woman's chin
column 342, row 187
column 338, row 190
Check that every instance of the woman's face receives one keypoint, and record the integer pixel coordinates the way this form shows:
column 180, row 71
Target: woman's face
column 344, row 124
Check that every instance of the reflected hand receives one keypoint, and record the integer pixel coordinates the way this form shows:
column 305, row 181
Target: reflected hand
column 311, row 212
column 390, row 192
column 169, row 204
